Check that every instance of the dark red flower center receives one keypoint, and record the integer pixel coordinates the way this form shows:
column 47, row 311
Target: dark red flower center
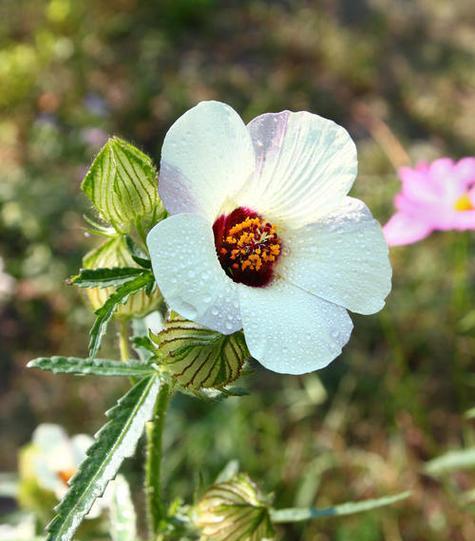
column 247, row 246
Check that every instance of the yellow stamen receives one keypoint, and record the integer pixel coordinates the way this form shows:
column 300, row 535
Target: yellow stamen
column 464, row 203
column 65, row 475
column 251, row 244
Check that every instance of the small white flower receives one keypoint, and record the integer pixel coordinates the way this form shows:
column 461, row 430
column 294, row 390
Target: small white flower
column 262, row 235
column 24, row 531
column 57, row 458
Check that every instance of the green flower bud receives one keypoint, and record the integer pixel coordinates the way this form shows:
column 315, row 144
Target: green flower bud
column 114, row 253
column 199, row 358
column 122, row 185
column 234, row 511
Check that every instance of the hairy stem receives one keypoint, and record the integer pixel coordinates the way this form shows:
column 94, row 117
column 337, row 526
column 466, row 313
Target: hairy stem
column 154, row 431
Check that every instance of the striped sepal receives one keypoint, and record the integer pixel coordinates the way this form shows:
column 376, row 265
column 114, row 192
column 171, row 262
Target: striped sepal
column 234, row 511
column 198, row 357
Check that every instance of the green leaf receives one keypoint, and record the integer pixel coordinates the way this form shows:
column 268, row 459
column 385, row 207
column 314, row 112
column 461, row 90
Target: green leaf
column 234, row 511
column 144, row 348
column 350, row 508
column 122, row 185
column 96, row 367
column 122, row 512
column 453, row 460
column 138, row 255
column 111, row 255
column 114, row 442
column 198, row 357
column 107, row 310
column 105, row 277
column 141, row 343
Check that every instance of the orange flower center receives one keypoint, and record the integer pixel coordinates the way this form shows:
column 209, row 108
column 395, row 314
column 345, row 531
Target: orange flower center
column 247, row 246
column 464, row 203
column 65, row 475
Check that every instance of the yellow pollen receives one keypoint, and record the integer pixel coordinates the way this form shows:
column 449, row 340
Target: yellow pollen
column 464, row 203
column 251, row 244
column 246, row 224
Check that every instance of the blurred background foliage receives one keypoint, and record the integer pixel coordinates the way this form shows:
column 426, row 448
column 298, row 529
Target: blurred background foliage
column 399, row 75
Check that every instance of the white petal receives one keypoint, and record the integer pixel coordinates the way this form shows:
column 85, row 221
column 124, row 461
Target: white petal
column 342, row 258
column 80, row 444
column 189, row 275
column 207, row 155
column 305, row 166
column 54, row 453
column 291, row 331
column 48, row 437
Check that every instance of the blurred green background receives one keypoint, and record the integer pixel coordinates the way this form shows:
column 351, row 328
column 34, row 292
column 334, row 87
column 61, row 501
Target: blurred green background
column 399, row 75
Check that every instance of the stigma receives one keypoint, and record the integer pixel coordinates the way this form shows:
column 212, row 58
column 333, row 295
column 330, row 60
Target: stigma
column 247, row 246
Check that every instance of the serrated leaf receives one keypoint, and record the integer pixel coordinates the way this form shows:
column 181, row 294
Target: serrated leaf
column 96, row 367
column 114, row 254
column 451, row 461
column 105, row 277
column 234, row 511
column 122, row 185
column 198, row 357
column 350, row 508
column 104, row 314
column 115, row 441
column 122, row 512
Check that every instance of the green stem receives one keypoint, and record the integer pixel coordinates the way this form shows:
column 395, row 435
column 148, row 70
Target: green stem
column 154, row 431
column 124, row 340
column 460, row 305
column 461, row 254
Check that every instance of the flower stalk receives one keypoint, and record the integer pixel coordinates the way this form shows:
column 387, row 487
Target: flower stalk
column 154, row 433
column 124, row 340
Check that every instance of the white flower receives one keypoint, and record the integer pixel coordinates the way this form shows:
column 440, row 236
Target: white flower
column 262, row 235
column 24, row 531
column 56, row 460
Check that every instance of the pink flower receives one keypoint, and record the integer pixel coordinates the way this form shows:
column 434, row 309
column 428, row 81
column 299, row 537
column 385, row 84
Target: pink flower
column 435, row 197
